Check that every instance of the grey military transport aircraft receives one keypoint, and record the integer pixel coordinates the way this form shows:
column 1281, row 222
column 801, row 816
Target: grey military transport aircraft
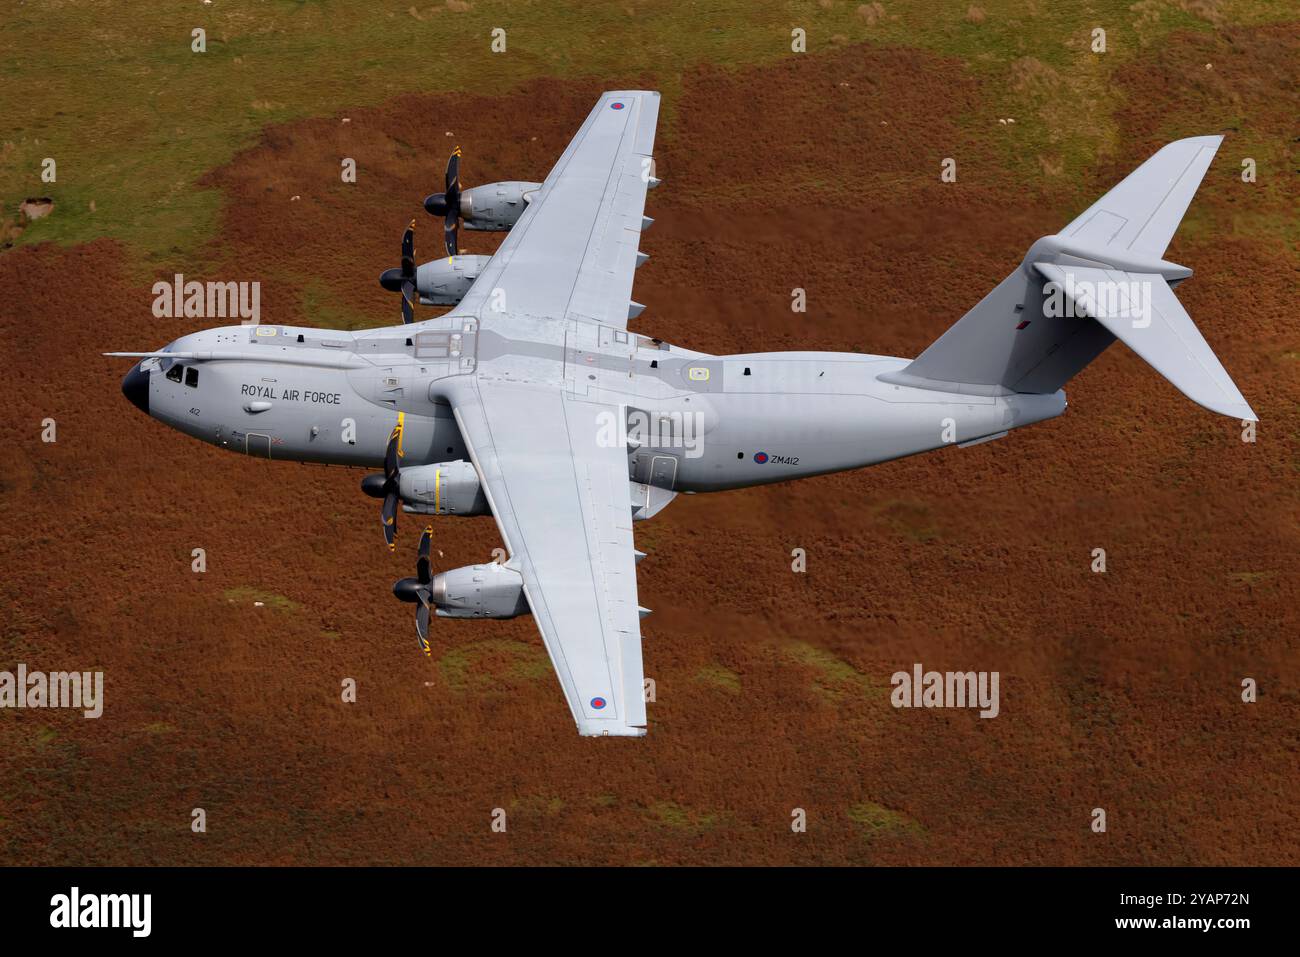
column 532, row 401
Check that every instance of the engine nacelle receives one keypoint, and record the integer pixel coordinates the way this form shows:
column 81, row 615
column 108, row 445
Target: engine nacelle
column 444, row 282
column 479, row 591
column 495, row 206
column 447, row 488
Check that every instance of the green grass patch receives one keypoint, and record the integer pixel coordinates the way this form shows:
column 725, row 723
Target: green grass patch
column 1251, row 578
column 717, row 676
column 672, row 815
column 324, row 311
column 537, row 806
column 910, row 519
column 489, row 665
column 876, row 820
column 134, row 118
column 44, row 735
column 834, row 677
column 246, row 595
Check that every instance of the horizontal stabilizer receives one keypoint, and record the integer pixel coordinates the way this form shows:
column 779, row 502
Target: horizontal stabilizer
column 1141, row 310
column 1141, row 214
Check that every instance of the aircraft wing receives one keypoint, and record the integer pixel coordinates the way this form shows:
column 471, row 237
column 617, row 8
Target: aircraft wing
column 573, row 251
column 562, row 501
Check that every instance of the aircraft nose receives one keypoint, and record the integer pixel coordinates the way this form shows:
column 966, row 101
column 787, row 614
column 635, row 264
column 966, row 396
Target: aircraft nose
column 135, row 386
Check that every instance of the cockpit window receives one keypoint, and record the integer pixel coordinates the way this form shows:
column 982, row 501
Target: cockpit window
column 174, row 373
column 191, row 376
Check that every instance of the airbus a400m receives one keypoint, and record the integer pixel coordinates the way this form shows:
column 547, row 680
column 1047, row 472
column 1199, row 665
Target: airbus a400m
column 503, row 405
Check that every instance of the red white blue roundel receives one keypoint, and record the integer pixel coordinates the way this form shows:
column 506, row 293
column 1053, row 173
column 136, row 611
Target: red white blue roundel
column 616, row 105
column 598, row 703
column 760, row 457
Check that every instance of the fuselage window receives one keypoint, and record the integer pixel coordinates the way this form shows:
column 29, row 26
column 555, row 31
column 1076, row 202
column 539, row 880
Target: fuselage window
column 191, row 376
column 174, row 373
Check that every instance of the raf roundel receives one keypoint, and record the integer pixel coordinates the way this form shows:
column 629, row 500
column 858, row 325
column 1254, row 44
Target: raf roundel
column 760, row 457
column 598, row 703
column 616, row 106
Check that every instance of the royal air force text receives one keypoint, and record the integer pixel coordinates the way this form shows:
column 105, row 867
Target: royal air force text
column 290, row 395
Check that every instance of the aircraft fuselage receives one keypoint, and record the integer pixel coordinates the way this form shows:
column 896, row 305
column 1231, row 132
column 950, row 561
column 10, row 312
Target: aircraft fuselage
column 693, row 422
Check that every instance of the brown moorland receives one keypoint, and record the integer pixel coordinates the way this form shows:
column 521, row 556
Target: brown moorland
column 1119, row 691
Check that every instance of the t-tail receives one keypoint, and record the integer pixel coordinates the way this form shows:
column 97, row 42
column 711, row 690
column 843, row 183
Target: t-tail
column 1101, row 278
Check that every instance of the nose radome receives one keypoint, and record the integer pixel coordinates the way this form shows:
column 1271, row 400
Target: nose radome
column 135, row 386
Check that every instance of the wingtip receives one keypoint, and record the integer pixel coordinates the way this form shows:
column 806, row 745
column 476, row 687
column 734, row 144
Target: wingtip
column 1234, row 410
column 608, row 729
column 1210, row 141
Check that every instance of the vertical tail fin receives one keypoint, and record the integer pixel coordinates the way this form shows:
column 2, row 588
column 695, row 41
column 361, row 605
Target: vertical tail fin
column 1042, row 324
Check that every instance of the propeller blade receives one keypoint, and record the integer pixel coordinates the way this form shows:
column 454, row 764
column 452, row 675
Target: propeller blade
column 422, row 562
column 451, row 222
column 407, row 275
column 388, row 513
column 453, row 179
column 391, row 454
column 408, row 300
column 451, row 233
column 408, row 252
column 422, row 626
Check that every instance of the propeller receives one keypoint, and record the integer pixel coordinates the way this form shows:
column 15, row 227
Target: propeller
column 386, row 486
column 447, row 204
column 417, row 591
column 403, row 279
